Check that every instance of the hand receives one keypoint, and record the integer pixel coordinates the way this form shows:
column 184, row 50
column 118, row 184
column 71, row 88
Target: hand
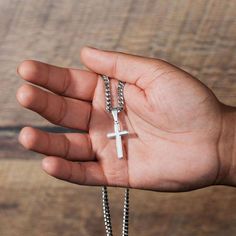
column 174, row 121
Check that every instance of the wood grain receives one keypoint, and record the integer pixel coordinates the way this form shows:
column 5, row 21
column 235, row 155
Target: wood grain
column 198, row 36
column 39, row 205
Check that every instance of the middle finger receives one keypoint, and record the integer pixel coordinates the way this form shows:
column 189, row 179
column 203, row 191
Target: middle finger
column 57, row 109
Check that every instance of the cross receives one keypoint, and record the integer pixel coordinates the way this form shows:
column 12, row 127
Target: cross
column 117, row 133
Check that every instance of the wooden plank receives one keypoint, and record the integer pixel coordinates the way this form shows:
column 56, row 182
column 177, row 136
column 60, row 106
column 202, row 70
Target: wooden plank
column 31, row 203
column 198, row 36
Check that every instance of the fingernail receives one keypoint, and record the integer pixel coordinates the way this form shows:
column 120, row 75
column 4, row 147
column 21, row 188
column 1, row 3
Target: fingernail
column 91, row 47
column 22, row 97
column 45, row 163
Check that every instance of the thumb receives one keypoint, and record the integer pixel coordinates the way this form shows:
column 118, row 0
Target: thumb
column 127, row 68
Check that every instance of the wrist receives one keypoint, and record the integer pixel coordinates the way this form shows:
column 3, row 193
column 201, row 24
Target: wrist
column 227, row 146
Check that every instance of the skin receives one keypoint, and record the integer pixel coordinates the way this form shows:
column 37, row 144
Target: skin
column 179, row 140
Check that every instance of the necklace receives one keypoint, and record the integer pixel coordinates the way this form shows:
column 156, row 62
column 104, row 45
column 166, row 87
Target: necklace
column 117, row 135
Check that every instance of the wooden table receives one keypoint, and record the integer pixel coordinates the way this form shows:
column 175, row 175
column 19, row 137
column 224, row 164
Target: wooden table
column 198, row 36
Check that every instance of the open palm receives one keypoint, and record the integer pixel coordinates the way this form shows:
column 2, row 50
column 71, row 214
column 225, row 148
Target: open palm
column 174, row 123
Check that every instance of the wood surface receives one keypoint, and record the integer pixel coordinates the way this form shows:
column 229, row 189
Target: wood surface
column 198, row 36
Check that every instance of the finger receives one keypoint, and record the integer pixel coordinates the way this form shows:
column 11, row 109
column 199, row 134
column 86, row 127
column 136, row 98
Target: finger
column 65, row 81
column 128, row 68
column 57, row 109
column 85, row 173
column 71, row 146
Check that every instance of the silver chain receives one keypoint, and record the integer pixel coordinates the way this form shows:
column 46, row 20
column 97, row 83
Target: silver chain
column 107, row 215
column 120, row 91
column 105, row 200
column 106, row 211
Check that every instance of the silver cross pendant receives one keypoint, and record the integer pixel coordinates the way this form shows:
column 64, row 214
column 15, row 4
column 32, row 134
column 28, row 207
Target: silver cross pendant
column 117, row 133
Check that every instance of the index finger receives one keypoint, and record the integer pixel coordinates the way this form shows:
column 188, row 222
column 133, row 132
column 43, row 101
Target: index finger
column 68, row 82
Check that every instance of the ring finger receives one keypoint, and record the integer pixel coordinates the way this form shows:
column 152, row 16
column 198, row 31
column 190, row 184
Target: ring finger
column 71, row 146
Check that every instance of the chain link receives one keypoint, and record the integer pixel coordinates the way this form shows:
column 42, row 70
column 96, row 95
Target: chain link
column 125, row 225
column 106, row 211
column 120, row 93
column 105, row 200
